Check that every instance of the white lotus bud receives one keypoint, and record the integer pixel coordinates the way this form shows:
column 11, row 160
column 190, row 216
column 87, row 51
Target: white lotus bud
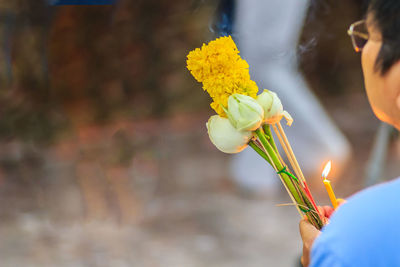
column 244, row 112
column 225, row 137
column 273, row 109
column 272, row 106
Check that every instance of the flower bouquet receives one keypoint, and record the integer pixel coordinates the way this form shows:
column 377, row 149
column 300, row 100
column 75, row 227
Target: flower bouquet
column 245, row 118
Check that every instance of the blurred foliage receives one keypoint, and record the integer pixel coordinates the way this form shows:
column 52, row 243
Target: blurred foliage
column 71, row 65
column 66, row 66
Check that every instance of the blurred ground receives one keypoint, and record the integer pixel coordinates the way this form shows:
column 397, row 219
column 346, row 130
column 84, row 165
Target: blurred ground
column 172, row 204
column 166, row 200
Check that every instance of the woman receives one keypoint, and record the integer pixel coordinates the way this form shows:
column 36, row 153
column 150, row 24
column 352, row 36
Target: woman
column 365, row 231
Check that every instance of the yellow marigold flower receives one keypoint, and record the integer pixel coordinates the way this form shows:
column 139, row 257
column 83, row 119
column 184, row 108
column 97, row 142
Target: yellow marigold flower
column 222, row 71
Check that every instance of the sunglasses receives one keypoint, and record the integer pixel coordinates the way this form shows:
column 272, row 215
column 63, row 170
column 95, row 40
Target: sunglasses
column 359, row 35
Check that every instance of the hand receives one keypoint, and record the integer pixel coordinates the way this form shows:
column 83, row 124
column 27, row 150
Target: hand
column 308, row 232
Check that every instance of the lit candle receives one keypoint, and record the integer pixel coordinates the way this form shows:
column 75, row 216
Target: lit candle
column 328, row 186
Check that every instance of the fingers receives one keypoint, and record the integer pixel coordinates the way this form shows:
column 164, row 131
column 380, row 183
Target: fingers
column 325, row 212
column 321, row 210
column 328, row 210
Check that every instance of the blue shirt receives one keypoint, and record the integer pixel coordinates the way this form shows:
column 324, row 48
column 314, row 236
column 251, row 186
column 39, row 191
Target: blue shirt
column 365, row 231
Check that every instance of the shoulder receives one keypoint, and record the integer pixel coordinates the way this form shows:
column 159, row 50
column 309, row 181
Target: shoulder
column 364, row 230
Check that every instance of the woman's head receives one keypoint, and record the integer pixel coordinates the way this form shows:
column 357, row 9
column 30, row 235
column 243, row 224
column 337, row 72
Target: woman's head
column 381, row 60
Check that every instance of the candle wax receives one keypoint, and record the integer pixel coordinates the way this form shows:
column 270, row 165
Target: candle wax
column 331, row 194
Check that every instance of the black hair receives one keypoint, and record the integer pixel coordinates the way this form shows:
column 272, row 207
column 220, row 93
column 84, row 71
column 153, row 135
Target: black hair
column 386, row 15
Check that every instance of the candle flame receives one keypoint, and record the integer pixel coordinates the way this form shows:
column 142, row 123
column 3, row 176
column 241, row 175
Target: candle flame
column 327, row 169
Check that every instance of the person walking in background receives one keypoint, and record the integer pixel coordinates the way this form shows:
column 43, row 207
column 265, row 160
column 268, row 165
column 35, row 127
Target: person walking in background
column 267, row 34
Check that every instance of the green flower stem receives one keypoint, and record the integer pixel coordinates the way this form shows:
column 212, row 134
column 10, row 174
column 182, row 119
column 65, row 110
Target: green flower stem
column 278, row 165
column 267, row 131
column 294, row 187
column 313, row 215
column 259, row 151
column 310, row 212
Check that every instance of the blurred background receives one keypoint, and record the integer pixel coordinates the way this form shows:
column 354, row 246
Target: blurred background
column 104, row 154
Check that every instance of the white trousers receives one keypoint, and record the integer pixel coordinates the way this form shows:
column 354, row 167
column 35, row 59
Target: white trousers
column 267, row 33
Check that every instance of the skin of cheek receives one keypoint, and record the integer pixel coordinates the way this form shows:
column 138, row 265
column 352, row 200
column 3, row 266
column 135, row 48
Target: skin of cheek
column 393, row 83
column 383, row 91
column 372, row 82
column 398, row 102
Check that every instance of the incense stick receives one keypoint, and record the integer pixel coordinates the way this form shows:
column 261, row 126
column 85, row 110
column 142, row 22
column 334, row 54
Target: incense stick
column 290, row 150
column 297, row 166
column 285, row 148
column 287, row 189
column 290, row 204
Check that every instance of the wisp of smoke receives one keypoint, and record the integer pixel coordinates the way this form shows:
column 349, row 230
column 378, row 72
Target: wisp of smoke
column 308, row 46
